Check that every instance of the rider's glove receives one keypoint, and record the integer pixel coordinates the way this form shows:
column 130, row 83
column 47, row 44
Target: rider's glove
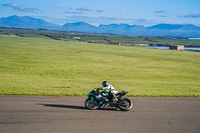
column 99, row 89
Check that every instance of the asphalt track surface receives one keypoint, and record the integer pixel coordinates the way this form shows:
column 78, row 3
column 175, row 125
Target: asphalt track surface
column 36, row 114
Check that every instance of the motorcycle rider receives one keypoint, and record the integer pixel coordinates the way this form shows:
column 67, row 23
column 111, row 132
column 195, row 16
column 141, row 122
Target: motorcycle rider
column 113, row 91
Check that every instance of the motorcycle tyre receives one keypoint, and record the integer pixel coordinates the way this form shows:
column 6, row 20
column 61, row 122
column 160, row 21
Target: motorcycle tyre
column 87, row 106
column 126, row 109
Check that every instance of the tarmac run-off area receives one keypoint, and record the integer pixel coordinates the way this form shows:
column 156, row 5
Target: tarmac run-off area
column 39, row 114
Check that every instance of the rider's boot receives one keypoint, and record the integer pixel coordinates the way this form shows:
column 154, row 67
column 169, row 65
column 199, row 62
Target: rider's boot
column 114, row 99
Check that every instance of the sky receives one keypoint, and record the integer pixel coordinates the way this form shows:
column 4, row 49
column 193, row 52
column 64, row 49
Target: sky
column 96, row 12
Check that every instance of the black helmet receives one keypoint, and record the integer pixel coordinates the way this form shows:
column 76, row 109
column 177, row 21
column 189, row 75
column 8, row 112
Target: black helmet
column 105, row 83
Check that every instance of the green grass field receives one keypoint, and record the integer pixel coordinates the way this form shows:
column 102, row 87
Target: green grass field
column 36, row 66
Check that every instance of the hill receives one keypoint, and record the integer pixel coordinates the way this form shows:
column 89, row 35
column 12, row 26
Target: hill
column 100, row 38
column 80, row 27
column 27, row 22
column 187, row 30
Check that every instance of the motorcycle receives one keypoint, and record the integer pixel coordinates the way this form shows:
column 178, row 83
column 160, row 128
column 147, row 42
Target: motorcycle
column 102, row 100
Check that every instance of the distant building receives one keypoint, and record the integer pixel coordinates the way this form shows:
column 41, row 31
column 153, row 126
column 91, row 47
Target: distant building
column 177, row 47
column 76, row 38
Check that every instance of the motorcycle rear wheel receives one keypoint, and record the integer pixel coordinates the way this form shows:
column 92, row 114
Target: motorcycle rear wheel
column 125, row 104
column 91, row 103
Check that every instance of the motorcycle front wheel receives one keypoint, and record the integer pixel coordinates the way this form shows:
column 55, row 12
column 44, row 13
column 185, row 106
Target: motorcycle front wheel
column 125, row 104
column 91, row 103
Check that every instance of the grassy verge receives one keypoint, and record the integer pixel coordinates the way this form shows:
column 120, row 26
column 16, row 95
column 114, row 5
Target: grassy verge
column 33, row 66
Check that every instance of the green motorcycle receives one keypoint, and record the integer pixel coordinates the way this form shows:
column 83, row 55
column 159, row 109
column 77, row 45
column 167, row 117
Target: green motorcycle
column 102, row 100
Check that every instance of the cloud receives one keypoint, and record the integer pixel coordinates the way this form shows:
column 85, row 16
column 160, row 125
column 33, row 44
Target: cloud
column 21, row 8
column 191, row 15
column 73, row 12
column 54, row 20
column 81, row 10
column 163, row 16
column 144, row 22
column 84, row 9
column 99, row 11
column 160, row 12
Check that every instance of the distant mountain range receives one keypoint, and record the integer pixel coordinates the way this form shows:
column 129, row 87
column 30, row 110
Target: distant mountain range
column 187, row 30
